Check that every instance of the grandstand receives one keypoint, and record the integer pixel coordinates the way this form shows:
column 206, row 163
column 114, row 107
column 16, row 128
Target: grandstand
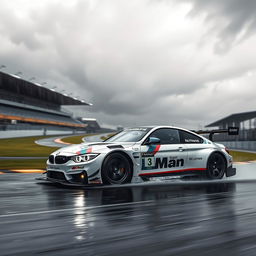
column 30, row 108
column 246, row 121
column 92, row 125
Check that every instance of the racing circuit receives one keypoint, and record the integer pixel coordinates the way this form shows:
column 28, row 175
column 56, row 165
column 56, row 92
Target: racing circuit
column 177, row 217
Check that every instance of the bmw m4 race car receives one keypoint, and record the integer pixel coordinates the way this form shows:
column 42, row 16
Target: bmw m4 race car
column 138, row 155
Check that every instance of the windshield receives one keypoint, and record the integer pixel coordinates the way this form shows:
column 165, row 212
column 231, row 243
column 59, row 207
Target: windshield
column 129, row 135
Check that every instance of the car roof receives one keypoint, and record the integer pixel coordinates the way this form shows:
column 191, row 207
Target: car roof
column 155, row 126
column 163, row 126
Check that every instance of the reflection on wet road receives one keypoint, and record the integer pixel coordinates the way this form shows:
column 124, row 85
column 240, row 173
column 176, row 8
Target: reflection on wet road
column 182, row 218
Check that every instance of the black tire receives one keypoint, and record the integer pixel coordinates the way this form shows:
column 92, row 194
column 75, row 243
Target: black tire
column 216, row 166
column 116, row 169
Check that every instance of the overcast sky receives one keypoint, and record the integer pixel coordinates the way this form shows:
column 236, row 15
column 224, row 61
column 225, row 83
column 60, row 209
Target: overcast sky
column 140, row 62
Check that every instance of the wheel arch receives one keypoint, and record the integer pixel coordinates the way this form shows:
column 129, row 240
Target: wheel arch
column 120, row 152
column 220, row 153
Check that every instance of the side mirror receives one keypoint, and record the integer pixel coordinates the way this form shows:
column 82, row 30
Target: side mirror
column 152, row 140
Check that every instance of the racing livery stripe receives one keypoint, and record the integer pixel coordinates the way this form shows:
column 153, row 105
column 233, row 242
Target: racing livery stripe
column 156, row 149
column 89, row 150
column 173, row 171
column 84, row 151
column 153, row 149
column 81, row 152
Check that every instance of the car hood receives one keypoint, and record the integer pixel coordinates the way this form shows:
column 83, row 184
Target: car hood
column 97, row 147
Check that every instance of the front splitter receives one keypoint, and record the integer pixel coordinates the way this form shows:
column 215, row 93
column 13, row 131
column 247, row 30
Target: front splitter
column 65, row 183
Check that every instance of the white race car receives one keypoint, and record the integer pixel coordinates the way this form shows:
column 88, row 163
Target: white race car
column 138, row 155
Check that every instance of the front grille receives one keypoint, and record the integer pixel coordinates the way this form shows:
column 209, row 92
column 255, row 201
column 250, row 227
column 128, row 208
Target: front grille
column 56, row 175
column 62, row 159
column 51, row 159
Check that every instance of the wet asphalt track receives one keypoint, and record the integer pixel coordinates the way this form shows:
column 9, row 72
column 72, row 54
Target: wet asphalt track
column 180, row 218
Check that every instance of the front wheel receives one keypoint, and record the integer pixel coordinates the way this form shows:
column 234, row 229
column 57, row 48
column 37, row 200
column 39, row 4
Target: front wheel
column 116, row 169
column 216, row 166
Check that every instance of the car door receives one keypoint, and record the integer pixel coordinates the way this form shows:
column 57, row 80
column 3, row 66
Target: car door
column 196, row 148
column 164, row 157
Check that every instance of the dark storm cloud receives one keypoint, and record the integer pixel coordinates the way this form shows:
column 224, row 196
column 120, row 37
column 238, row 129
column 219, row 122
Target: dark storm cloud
column 139, row 62
column 235, row 20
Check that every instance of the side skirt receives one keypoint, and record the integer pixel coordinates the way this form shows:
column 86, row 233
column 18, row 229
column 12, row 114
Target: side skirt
column 191, row 171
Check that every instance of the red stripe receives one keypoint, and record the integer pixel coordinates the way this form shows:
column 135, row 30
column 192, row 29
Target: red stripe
column 174, row 171
column 89, row 150
column 156, row 149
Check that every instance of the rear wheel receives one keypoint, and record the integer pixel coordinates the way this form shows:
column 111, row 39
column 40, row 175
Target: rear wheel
column 216, row 166
column 116, row 169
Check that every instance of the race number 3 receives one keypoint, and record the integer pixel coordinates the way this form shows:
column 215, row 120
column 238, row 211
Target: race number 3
column 149, row 161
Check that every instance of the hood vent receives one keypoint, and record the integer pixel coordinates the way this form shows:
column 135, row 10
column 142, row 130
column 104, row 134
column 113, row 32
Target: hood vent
column 115, row 146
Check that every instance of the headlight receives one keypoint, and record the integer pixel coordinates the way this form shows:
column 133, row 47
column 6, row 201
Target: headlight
column 84, row 158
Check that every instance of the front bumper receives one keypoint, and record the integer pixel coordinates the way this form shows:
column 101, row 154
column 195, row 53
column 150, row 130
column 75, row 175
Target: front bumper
column 78, row 178
column 75, row 173
column 81, row 178
column 61, row 182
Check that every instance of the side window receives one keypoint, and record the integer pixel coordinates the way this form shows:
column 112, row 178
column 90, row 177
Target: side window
column 189, row 138
column 166, row 136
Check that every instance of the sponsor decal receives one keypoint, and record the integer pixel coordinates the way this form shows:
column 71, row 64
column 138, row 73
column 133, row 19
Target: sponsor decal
column 138, row 129
column 168, row 163
column 150, row 163
column 233, row 130
column 195, row 158
column 192, row 140
column 147, row 154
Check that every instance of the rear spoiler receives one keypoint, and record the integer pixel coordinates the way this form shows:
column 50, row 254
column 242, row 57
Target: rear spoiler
column 229, row 131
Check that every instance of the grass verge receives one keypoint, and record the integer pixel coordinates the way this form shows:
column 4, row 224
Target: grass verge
column 23, row 164
column 27, row 147
column 239, row 156
column 24, row 147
